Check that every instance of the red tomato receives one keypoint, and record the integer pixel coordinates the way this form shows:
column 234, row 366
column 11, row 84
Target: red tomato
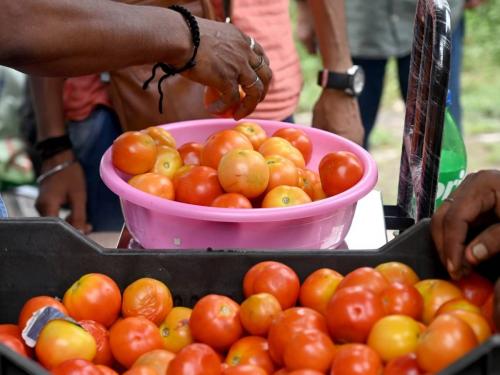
column 281, row 172
column 436, row 293
column 159, row 359
column 310, row 349
column 307, row 180
column 191, row 153
column 251, row 350
column 161, row 136
column 318, row 288
column 220, row 143
column 352, row 312
column 280, row 146
column 132, row 337
column 285, row 196
column 287, row 324
column 175, row 330
column 403, row 299
column 354, row 359
column 105, row 370
column 476, row 321
column 168, row 161
column 257, row 313
column 76, row 367
column 253, row 131
column 299, row 139
column 211, row 96
column 197, row 185
column 61, row 340
column 339, row 171
column 475, row 288
column 302, row 372
column 134, row 153
column 195, row 359
column 101, row 336
column 447, row 336
column 458, row 304
column 274, row 278
column 13, row 343
column 365, row 277
column 244, row 370
column 215, row 321
column 141, row 370
column 13, row 330
column 149, row 298
column 244, row 172
column 487, row 311
column 404, row 365
column 94, row 297
column 36, row 303
column 231, row 200
column 397, row 272
column 154, row 184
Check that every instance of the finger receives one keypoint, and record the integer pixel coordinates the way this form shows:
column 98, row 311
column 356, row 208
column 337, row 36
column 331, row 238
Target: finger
column 47, row 207
column 254, row 89
column 78, row 217
column 260, row 64
column 230, row 97
column 485, row 245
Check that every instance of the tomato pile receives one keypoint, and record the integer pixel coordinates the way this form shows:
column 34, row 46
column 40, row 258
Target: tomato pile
column 372, row 320
column 239, row 167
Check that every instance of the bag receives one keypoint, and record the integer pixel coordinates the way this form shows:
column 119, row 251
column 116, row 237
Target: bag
column 182, row 98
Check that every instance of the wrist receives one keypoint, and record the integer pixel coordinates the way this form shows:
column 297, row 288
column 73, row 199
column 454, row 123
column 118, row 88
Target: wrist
column 60, row 158
column 50, row 147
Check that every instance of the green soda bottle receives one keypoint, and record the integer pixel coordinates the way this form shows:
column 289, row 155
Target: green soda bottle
column 453, row 162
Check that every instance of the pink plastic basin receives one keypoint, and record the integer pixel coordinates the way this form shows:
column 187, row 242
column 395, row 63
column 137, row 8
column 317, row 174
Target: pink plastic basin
column 158, row 223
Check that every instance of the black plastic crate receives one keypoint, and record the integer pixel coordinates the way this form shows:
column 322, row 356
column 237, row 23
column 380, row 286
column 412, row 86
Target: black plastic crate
column 45, row 256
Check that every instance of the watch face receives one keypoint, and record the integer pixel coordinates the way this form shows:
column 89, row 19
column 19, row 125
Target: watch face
column 358, row 81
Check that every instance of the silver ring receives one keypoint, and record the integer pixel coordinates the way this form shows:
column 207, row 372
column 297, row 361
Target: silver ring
column 252, row 84
column 449, row 200
column 260, row 64
column 252, row 43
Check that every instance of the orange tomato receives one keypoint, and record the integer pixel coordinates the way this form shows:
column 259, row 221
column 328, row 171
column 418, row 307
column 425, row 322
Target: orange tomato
column 220, row 143
column 356, row 359
column 244, row 172
column 307, row 180
column 175, row 330
column 134, row 153
column 149, row 298
column 161, row 136
column 141, row 370
column 318, row 288
column 132, row 337
column 282, row 171
column 285, row 196
column 232, row 200
column 101, row 336
column 458, row 304
column 244, row 370
column 61, row 340
column 365, row 277
column 36, row 303
column 397, row 272
column 195, row 359
column 403, row 299
column 13, row 330
column 167, row 162
column 301, row 372
column 310, row 349
column 299, row 139
column 94, row 297
column 197, row 185
column 339, row 171
column 436, row 293
column 211, row 96
column 190, row 153
column 318, row 192
column 154, row 184
column 280, row 146
column 251, row 350
column 476, row 321
column 257, row 313
column 105, row 370
column 13, row 343
column 253, row 131
column 158, row 359
column 76, row 367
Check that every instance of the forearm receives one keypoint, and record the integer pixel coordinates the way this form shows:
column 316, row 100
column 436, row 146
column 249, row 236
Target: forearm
column 330, row 27
column 67, row 40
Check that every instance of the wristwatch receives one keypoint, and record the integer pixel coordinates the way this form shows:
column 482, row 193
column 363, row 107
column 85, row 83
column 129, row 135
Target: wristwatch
column 351, row 82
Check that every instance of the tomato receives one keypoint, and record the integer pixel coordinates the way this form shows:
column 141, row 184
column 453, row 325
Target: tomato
column 397, row 272
column 190, row 153
column 244, row 370
column 257, row 313
column 280, row 146
column 149, row 298
column 448, row 337
column 404, row 365
column 76, row 367
column 365, row 277
column 61, row 340
column 101, row 336
column 215, row 321
column 487, row 311
column 310, row 349
column 475, row 288
column 339, row 171
column 167, row 162
column 281, row 172
column 94, row 297
column 134, row 153
column 287, row 324
column 253, row 131
column 132, row 337
column 105, row 370
column 476, row 321
column 232, row 200
column 458, row 304
column 197, row 185
column 161, row 136
column 299, row 139
column 175, row 330
column 274, row 278
column 211, row 96
column 435, row 293
column 13, row 330
column 141, row 370
column 154, row 184
column 352, row 312
column 251, row 350
column 303, row 372
column 394, row 336
column 13, row 343
column 195, row 359
column 307, row 180
column 36, row 303
column 244, row 172
column 318, row 192
column 354, row 359
column 220, row 143
column 403, row 299
column 285, row 196
column 318, row 288
column 158, row 359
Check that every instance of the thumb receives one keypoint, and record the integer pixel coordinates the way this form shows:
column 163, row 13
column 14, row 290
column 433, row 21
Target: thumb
column 484, row 246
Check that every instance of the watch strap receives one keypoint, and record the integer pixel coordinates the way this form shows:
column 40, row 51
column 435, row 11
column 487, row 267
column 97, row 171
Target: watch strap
column 334, row 80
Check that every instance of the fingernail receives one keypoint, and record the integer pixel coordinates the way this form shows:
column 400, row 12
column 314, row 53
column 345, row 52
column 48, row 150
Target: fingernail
column 480, row 251
column 450, row 266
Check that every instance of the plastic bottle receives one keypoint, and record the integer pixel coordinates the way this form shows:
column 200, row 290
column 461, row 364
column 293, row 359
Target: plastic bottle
column 453, row 162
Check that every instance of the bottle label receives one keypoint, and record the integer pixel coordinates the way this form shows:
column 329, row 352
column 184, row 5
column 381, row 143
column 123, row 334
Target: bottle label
column 448, row 182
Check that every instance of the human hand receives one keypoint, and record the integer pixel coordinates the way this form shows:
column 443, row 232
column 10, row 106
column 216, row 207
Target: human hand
column 305, row 27
column 66, row 186
column 339, row 113
column 475, row 202
column 225, row 60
